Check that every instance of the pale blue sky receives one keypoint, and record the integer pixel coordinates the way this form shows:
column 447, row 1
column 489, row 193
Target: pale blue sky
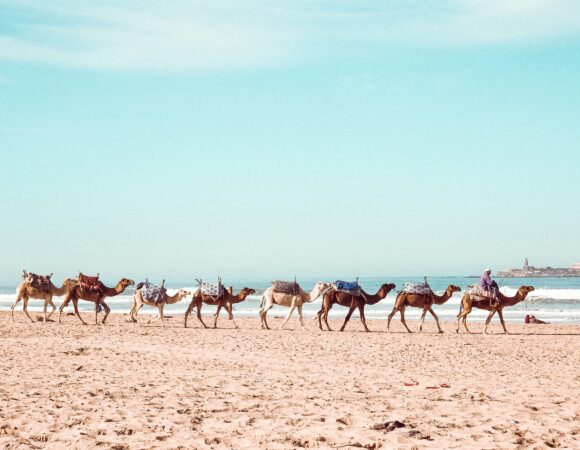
column 331, row 138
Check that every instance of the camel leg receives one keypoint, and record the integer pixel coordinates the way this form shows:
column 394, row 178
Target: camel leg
column 463, row 315
column 292, row 307
column 319, row 317
column 132, row 311
column 107, row 311
column 97, row 312
column 422, row 320
column 199, row 314
column 76, row 307
column 53, row 306
column 403, row 319
column 488, row 320
column 188, row 312
column 229, row 309
column 500, row 314
column 217, row 313
column 436, row 319
column 62, row 307
column 393, row 312
column 45, row 309
column 265, row 313
column 14, row 306
column 363, row 319
column 300, row 316
column 325, row 318
column 25, row 308
column 465, row 324
column 347, row 318
column 160, row 308
column 136, row 309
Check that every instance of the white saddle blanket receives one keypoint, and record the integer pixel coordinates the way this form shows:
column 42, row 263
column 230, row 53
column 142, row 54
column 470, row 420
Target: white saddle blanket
column 212, row 289
column 417, row 288
column 477, row 290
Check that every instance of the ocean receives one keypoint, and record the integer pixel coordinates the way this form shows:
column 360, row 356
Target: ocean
column 554, row 299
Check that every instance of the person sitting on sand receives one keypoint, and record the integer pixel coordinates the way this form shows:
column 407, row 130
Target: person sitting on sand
column 532, row 319
column 490, row 286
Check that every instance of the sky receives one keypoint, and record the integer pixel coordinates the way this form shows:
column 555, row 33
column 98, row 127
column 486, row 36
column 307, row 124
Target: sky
column 277, row 138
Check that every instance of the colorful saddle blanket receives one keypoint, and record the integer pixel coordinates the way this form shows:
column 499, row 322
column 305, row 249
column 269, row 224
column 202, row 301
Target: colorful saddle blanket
column 477, row 291
column 348, row 287
column 215, row 290
column 285, row 287
column 90, row 284
column 41, row 282
column 417, row 288
column 153, row 293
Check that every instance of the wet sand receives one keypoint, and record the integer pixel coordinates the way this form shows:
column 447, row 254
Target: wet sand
column 134, row 386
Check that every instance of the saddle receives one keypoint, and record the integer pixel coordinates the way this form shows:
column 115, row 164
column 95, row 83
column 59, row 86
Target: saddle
column 214, row 290
column 285, row 287
column 90, row 284
column 477, row 291
column 348, row 287
column 417, row 288
column 41, row 282
column 153, row 293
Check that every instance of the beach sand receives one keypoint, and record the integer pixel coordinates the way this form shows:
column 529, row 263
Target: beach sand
column 132, row 386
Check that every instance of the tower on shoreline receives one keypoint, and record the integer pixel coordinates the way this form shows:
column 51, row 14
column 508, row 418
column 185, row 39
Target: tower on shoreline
column 526, row 266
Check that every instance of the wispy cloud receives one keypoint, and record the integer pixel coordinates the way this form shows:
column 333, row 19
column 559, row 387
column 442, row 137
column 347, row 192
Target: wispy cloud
column 224, row 34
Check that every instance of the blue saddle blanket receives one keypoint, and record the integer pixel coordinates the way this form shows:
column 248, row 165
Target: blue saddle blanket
column 350, row 287
column 153, row 293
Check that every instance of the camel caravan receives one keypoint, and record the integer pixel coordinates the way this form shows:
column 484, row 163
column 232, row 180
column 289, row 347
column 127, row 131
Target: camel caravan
column 289, row 294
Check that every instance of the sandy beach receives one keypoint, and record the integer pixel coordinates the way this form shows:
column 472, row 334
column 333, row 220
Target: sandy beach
column 125, row 386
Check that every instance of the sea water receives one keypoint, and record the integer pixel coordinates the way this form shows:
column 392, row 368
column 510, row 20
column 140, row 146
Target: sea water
column 554, row 300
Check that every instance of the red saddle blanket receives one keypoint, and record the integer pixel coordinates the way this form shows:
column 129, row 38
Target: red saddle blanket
column 90, row 284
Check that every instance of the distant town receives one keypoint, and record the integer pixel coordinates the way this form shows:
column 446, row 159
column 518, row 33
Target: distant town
column 528, row 271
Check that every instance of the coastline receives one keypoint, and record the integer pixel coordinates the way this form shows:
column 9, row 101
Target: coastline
column 135, row 386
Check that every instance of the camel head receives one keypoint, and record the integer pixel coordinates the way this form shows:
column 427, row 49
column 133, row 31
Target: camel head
column 245, row 292
column 525, row 290
column 126, row 282
column 183, row 293
column 452, row 288
column 320, row 288
column 70, row 282
column 386, row 288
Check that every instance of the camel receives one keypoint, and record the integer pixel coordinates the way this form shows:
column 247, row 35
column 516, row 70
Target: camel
column 269, row 298
column 25, row 291
column 96, row 296
column 227, row 300
column 352, row 302
column 467, row 304
column 139, row 301
column 425, row 301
